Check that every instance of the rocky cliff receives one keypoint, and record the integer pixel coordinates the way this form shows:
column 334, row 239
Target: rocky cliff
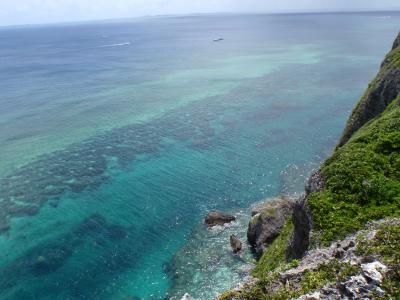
column 342, row 240
column 380, row 93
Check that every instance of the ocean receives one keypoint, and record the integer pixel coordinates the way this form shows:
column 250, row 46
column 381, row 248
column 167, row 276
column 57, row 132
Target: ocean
column 118, row 137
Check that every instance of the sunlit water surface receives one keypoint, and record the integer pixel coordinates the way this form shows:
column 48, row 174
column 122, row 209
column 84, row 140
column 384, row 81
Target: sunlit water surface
column 117, row 138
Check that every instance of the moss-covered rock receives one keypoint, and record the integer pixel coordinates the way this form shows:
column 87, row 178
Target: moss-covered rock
column 275, row 255
column 267, row 222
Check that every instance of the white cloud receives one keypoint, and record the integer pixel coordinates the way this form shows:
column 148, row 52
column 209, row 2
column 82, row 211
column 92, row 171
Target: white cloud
column 44, row 11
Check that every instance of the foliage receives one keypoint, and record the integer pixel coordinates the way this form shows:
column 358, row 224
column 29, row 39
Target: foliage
column 270, row 287
column 386, row 244
column 275, row 255
column 362, row 180
column 393, row 58
column 362, row 183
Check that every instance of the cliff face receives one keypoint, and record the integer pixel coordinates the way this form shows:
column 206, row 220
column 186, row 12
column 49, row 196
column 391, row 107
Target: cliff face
column 380, row 93
column 396, row 43
column 332, row 250
column 302, row 218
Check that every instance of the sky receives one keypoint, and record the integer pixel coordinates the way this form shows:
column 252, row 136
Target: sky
column 18, row 12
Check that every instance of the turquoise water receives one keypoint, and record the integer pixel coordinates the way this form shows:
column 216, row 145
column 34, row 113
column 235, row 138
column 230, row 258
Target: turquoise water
column 117, row 138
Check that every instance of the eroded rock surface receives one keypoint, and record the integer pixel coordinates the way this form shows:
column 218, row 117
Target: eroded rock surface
column 302, row 219
column 368, row 271
column 236, row 244
column 218, row 218
column 381, row 92
column 267, row 222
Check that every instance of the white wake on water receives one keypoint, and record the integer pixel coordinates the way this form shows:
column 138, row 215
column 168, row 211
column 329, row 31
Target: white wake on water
column 115, row 45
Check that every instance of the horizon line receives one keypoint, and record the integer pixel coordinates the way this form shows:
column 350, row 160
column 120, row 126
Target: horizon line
column 282, row 12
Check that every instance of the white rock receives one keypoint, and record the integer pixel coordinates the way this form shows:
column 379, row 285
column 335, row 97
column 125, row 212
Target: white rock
column 355, row 285
column 187, row 297
column 313, row 296
column 379, row 291
column 374, row 271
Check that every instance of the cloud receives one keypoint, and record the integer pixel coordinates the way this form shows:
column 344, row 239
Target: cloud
column 45, row 11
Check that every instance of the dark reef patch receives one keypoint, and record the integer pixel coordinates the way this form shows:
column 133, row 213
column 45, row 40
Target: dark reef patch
column 52, row 255
column 84, row 165
column 64, row 266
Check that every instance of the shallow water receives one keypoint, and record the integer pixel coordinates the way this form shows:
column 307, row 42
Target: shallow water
column 117, row 138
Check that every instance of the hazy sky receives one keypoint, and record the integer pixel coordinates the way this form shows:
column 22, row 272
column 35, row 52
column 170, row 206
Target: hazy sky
column 49, row 11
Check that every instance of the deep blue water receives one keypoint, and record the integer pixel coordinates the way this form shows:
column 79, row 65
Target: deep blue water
column 117, row 137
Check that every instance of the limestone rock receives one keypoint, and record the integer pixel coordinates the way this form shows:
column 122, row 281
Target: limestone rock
column 364, row 284
column 236, row 244
column 374, row 271
column 267, row 222
column 218, row 218
column 313, row 296
column 302, row 219
column 349, row 245
column 381, row 92
column 338, row 253
column 356, row 286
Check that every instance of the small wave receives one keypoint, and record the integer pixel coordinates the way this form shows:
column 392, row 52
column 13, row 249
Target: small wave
column 383, row 17
column 115, row 45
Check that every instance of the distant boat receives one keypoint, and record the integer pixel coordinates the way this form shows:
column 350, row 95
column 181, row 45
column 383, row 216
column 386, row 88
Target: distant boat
column 218, row 40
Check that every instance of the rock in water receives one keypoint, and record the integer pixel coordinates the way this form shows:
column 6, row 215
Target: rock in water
column 187, row 297
column 267, row 222
column 236, row 244
column 218, row 218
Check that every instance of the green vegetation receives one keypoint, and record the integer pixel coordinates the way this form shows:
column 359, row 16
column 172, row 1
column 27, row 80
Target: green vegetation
column 362, row 180
column 328, row 273
column 271, row 288
column 275, row 255
column 393, row 58
column 386, row 245
column 362, row 183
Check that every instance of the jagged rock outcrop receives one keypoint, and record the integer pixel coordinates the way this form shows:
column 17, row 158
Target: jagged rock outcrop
column 267, row 222
column 236, row 244
column 363, row 285
column 381, row 92
column 384, row 89
column 218, row 218
column 354, row 274
column 302, row 219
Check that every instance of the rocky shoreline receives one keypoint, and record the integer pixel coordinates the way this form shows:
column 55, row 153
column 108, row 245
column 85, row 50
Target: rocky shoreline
column 368, row 271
